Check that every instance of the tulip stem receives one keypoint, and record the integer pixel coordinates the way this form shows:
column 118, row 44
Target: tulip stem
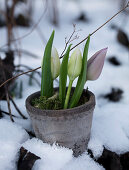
column 68, row 94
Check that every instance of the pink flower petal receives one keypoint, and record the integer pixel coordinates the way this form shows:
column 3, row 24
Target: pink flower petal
column 95, row 64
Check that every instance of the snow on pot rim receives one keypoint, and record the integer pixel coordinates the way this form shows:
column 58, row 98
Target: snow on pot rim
column 61, row 112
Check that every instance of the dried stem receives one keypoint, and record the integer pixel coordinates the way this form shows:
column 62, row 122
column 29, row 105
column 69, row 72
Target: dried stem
column 21, row 71
column 41, row 36
column 16, row 107
column 71, row 48
column 19, row 75
column 7, row 113
column 6, row 92
column 9, row 15
column 54, row 12
column 26, row 53
column 27, row 67
column 38, row 83
column 9, row 26
column 8, row 102
column 102, row 25
column 33, row 28
column 23, row 51
column 70, row 39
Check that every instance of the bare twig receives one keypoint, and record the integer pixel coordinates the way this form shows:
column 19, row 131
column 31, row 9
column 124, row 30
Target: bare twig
column 9, row 26
column 41, row 35
column 101, row 25
column 6, row 92
column 7, row 113
column 16, row 107
column 30, row 133
column 33, row 28
column 74, row 38
column 21, row 71
column 38, row 83
column 27, row 67
column 26, row 52
column 53, row 9
column 8, row 102
column 19, row 75
column 71, row 48
column 70, row 39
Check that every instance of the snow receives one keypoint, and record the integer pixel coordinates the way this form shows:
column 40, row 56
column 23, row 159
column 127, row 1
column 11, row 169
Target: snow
column 110, row 127
column 84, row 162
column 52, row 157
column 58, row 158
column 9, row 155
column 12, row 132
column 11, row 138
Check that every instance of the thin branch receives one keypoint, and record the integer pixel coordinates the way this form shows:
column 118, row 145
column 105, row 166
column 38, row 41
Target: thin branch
column 6, row 92
column 38, row 83
column 27, row 67
column 70, row 39
column 30, row 133
column 7, row 113
column 101, row 26
column 21, row 71
column 74, row 38
column 33, row 28
column 41, row 35
column 55, row 12
column 71, row 48
column 26, row 52
column 16, row 107
column 8, row 102
column 18, row 76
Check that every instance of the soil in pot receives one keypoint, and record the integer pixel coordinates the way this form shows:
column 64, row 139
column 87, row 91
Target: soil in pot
column 53, row 103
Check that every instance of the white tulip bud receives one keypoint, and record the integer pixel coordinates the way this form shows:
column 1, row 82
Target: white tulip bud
column 75, row 64
column 55, row 63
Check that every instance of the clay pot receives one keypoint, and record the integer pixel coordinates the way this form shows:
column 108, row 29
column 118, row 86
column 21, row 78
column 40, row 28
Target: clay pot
column 68, row 127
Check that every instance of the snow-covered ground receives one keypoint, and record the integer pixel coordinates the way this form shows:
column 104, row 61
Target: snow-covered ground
column 110, row 127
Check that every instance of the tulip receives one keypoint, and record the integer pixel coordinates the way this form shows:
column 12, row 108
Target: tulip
column 55, row 63
column 75, row 64
column 74, row 70
column 95, row 64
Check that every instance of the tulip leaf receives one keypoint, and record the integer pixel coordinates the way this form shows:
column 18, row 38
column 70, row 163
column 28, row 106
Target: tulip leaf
column 82, row 78
column 63, row 76
column 46, row 79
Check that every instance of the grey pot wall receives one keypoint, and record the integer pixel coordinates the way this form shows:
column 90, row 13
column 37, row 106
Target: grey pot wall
column 68, row 127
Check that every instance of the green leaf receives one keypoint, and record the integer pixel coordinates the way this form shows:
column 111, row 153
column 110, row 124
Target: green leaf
column 82, row 78
column 63, row 76
column 46, row 79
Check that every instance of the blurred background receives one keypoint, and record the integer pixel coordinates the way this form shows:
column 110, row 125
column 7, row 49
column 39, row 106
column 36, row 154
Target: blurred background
column 26, row 25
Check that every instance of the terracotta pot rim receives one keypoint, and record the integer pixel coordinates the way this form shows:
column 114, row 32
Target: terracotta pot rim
column 76, row 110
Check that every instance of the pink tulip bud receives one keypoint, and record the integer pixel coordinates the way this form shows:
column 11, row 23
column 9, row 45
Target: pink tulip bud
column 95, row 64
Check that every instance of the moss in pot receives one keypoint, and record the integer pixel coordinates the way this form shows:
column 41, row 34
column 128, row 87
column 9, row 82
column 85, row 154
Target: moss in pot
column 64, row 115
